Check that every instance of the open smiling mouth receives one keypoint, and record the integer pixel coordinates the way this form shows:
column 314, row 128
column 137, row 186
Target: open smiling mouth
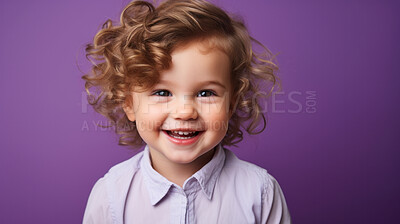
column 182, row 134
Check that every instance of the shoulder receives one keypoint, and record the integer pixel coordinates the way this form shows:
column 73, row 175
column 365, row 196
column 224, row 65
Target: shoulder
column 109, row 189
column 259, row 185
column 129, row 165
column 249, row 175
column 121, row 172
column 245, row 176
column 246, row 170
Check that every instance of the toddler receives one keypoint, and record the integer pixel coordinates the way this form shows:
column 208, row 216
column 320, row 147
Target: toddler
column 181, row 79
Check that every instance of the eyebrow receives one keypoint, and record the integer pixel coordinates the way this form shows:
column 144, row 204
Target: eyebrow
column 214, row 83
column 170, row 83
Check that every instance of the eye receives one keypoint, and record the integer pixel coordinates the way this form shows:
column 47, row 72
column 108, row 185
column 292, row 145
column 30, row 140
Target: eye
column 206, row 93
column 162, row 93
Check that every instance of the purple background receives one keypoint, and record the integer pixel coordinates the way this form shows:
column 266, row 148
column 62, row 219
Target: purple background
column 337, row 165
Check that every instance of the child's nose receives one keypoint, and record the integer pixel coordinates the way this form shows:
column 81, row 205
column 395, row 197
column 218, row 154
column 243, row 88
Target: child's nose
column 185, row 109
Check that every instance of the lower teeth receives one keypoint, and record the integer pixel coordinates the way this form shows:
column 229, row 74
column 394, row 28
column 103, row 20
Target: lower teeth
column 178, row 137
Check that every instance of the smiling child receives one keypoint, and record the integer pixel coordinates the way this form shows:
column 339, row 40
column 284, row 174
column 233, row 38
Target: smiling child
column 180, row 79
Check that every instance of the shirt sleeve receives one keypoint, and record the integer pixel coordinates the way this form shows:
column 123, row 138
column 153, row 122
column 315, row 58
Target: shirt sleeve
column 274, row 208
column 98, row 209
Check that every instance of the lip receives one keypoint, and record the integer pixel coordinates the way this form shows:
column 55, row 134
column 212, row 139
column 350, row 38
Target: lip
column 183, row 141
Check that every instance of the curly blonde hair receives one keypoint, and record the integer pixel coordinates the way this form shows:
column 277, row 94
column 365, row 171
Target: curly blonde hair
column 135, row 51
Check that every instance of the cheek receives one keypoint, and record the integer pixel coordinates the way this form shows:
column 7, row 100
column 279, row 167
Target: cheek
column 216, row 116
column 217, row 121
column 149, row 119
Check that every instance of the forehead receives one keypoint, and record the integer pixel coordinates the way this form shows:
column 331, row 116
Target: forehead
column 200, row 60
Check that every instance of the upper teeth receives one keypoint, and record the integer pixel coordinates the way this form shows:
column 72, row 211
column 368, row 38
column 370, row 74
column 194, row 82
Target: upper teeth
column 183, row 132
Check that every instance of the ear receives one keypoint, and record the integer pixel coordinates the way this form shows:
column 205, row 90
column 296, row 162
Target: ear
column 128, row 109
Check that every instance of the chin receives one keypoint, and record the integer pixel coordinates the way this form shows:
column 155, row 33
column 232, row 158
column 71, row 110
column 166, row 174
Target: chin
column 182, row 159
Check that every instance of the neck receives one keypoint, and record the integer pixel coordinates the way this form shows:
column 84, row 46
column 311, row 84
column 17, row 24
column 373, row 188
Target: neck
column 178, row 173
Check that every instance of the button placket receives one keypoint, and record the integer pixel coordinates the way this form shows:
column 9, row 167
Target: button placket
column 183, row 207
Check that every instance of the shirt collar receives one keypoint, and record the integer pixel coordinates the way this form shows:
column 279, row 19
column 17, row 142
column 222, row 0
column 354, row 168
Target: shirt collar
column 158, row 186
column 208, row 175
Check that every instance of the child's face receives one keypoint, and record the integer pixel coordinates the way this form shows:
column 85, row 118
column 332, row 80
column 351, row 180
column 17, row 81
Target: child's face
column 186, row 114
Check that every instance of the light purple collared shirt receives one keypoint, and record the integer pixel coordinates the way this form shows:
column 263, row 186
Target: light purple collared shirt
column 225, row 190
